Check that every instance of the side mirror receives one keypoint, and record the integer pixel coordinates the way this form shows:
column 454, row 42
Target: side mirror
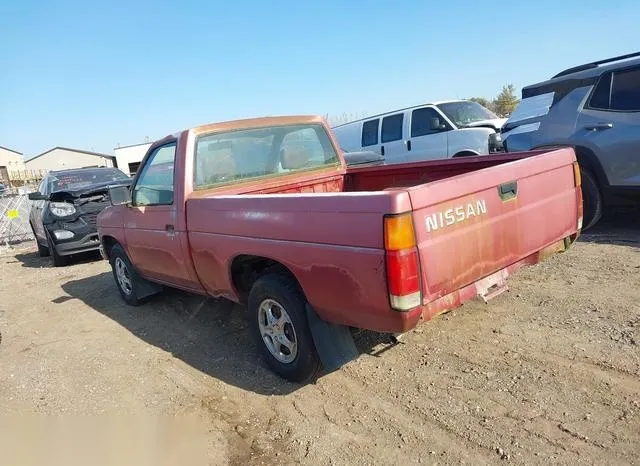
column 37, row 196
column 119, row 195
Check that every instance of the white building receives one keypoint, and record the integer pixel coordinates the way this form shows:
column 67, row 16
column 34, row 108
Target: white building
column 128, row 158
column 10, row 161
column 61, row 158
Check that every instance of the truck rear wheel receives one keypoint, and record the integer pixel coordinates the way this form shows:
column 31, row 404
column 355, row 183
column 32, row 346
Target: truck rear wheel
column 591, row 200
column 279, row 323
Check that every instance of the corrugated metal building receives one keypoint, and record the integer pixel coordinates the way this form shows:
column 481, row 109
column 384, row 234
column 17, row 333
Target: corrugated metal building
column 61, row 158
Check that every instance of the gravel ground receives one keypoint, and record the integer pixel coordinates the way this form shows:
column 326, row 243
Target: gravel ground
column 547, row 373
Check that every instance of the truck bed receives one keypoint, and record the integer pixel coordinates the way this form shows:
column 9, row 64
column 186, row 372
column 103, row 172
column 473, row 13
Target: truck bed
column 473, row 219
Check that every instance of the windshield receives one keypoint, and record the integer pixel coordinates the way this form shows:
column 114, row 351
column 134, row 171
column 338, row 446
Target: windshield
column 69, row 181
column 467, row 112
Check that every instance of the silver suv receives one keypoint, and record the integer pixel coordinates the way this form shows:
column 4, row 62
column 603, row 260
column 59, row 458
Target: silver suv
column 595, row 108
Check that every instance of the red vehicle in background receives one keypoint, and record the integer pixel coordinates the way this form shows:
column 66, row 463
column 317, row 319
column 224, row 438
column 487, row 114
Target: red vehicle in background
column 265, row 212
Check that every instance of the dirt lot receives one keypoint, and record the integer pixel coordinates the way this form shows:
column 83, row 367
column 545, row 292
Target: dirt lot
column 549, row 372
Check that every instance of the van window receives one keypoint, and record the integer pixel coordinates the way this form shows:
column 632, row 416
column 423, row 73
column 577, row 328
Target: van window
column 392, row 127
column 625, row 93
column 370, row 133
column 421, row 122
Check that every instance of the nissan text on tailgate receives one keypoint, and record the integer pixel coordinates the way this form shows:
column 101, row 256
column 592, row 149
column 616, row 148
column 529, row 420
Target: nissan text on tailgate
column 265, row 212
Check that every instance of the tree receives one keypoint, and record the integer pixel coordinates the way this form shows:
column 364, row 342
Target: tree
column 507, row 101
column 482, row 101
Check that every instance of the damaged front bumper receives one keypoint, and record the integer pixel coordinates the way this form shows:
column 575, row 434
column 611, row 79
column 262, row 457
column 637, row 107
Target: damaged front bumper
column 73, row 237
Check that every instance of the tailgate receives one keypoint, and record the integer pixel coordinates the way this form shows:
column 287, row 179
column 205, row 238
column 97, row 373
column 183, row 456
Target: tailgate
column 472, row 225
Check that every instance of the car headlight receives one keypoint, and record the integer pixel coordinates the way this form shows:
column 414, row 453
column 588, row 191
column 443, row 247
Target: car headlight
column 62, row 209
column 495, row 142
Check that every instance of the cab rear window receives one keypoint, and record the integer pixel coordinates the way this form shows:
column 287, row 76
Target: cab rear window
column 241, row 155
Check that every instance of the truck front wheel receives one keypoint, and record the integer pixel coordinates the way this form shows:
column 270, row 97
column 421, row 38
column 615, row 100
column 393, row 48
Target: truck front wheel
column 279, row 323
column 130, row 285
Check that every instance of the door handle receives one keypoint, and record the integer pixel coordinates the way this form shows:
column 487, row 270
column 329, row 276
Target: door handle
column 381, row 150
column 409, row 145
column 170, row 230
column 599, row 126
column 508, row 190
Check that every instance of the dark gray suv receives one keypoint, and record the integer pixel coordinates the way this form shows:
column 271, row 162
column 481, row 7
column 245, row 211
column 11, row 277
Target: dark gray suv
column 594, row 108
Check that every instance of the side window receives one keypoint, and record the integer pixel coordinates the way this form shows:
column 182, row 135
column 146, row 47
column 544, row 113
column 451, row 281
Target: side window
column 370, row 132
column 600, row 97
column 426, row 121
column 392, row 128
column 625, row 92
column 155, row 184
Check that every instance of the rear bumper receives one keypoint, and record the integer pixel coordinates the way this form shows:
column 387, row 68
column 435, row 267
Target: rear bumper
column 481, row 288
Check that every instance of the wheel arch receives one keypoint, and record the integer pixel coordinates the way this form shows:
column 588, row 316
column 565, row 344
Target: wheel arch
column 108, row 242
column 246, row 269
column 465, row 153
column 586, row 158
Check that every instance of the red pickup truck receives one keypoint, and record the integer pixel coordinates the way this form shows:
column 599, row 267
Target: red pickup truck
column 265, row 212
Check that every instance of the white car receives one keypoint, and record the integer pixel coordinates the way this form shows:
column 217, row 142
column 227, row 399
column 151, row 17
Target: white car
column 440, row 130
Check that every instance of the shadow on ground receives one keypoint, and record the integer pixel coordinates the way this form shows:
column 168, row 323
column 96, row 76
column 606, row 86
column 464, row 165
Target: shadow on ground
column 210, row 335
column 615, row 228
column 31, row 259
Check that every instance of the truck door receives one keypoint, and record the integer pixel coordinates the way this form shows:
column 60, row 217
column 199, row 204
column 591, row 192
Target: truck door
column 429, row 133
column 153, row 241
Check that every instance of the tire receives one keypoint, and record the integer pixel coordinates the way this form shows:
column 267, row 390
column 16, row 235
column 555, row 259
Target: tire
column 275, row 293
column 131, row 294
column 43, row 251
column 58, row 260
column 591, row 200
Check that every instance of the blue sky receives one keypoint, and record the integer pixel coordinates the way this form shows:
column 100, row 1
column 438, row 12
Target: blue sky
column 92, row 75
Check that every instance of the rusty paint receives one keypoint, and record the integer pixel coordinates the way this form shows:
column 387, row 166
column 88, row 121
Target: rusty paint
column 262, row 122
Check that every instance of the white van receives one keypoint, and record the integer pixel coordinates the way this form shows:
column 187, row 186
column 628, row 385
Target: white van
column 440, row 130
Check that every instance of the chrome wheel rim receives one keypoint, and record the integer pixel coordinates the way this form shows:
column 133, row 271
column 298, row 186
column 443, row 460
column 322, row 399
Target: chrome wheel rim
column 122, row 274
column 277, row 331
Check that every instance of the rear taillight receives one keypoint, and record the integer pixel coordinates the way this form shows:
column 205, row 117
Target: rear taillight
column 403, row 265
column 577, row 178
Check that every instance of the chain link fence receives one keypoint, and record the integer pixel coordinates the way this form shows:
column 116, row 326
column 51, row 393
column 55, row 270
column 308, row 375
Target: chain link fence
column 14, row 219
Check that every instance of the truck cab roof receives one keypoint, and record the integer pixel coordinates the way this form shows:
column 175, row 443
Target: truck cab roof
column 251, row 123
